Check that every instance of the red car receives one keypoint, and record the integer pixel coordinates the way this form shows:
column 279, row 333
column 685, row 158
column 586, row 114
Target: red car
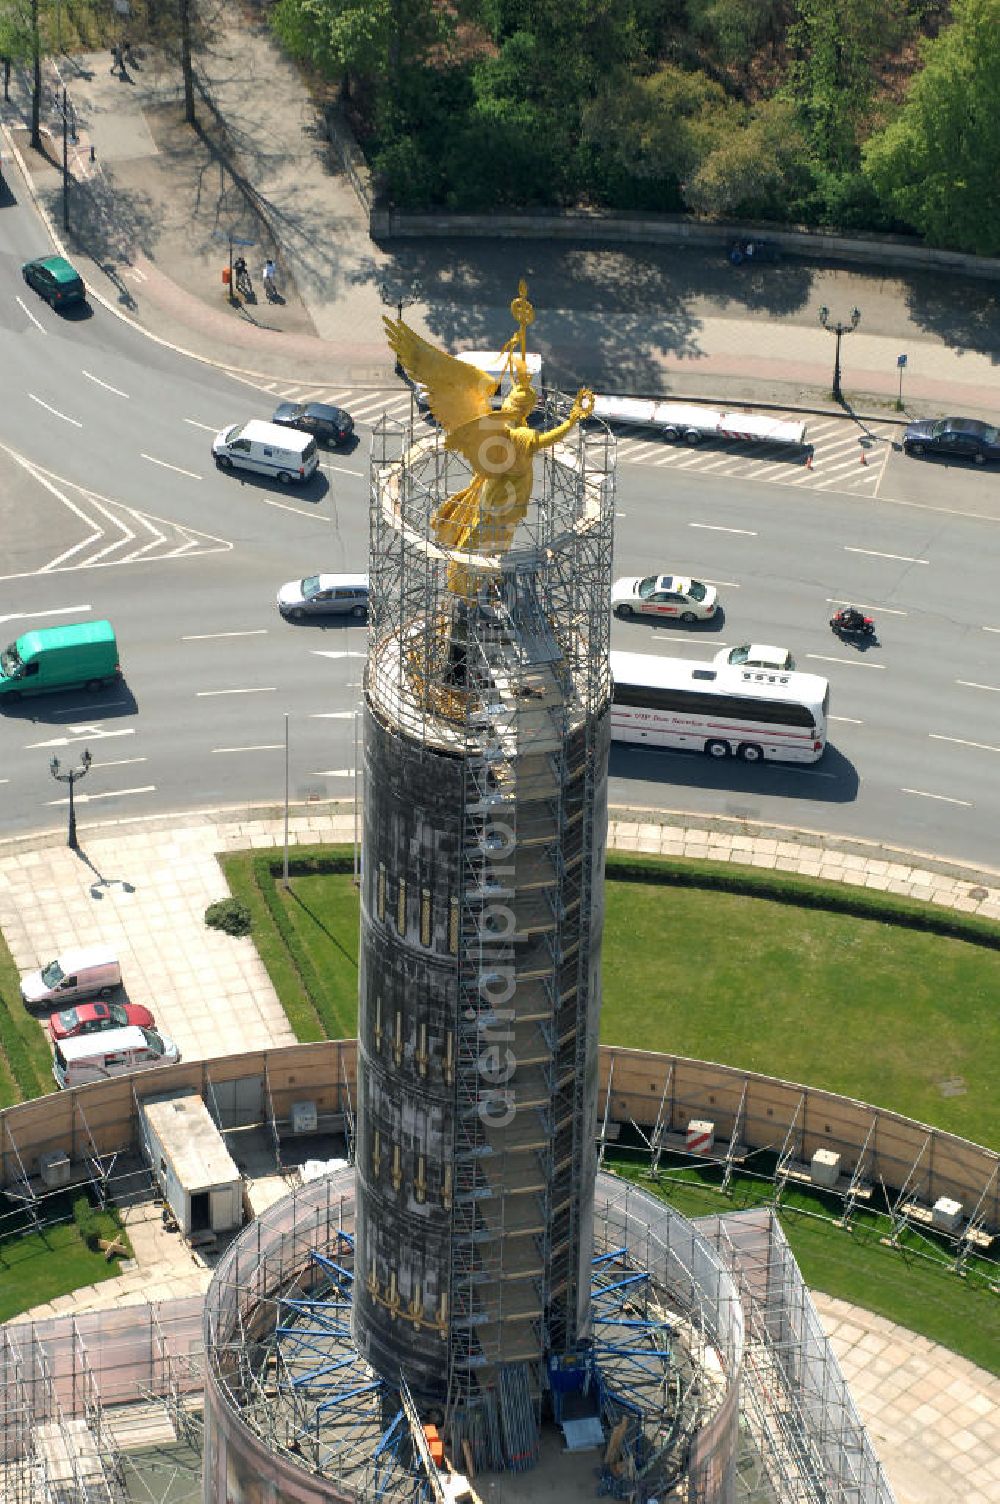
column 90, row 1018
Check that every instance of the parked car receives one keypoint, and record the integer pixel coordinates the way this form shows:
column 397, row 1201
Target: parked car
column 92, row 971
column 663, row 595
column 757, row 655
column 55, row 279
column 92, row 1018
column 330, row 425
column 958, row 438
column 325, row 595
column 114, row 1053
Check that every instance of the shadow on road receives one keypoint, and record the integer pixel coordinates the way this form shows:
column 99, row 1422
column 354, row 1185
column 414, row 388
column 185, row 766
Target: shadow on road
column 833, row 780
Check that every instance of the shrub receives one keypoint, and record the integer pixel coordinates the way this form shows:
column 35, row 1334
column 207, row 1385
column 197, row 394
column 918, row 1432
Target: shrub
column 229, row 914
column 87, row 1220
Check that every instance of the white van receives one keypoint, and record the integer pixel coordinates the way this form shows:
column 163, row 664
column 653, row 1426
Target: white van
column 110, row 1052
column 267, row 449
column 92, row 972
column 494, row 363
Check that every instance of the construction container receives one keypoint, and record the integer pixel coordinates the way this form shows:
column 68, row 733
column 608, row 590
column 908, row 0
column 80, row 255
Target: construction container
column 947, row 1214
column 191, row 1163
column 824, row 1168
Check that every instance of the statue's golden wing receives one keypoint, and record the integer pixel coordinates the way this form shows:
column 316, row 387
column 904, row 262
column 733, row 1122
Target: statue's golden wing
column 457, row 393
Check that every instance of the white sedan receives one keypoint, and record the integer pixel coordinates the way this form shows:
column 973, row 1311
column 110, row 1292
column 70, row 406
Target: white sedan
column 664, row 595
column 757, row 655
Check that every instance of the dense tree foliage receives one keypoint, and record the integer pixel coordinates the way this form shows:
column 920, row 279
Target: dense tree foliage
column 937, row 163
column 785, row 110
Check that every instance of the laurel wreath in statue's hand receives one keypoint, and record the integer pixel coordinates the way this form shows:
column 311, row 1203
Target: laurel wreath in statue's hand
column 583, row 406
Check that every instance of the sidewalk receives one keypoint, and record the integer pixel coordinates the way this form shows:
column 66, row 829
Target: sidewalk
column 153, row 211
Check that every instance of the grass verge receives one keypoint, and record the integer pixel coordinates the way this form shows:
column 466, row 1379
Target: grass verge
column 36, row 1267
column 25, row 1057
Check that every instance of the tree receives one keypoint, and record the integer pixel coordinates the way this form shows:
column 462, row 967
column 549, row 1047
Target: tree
column 936, row 164
column 664, row 125
column 372, row 40
column 755, row 171
column 838, row 44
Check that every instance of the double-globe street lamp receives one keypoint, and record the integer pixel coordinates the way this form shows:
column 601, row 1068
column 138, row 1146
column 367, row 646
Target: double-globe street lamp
column 839, row 330
column 71, row 776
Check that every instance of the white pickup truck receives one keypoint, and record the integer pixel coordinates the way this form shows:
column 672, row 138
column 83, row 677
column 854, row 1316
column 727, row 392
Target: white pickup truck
column 685, row 421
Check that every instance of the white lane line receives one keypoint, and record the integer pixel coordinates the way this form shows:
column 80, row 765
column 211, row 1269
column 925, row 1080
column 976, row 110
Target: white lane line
column 726, row 584
column 260, row 747
column 284, row 507
column 874, row 553
column 942, row 798
column 90, row 377
column 208, row 427
column 208, row 636
column 147, row 788
column 55, row 411
column 960, row 741
column 31, row 316
column 208, row 694
column 118, row 762
column 331, row 653
column 332, row 715
column 848, row 720
column 841, row 600
column 711, row 527
column 331, row 773
column 342, row 470
column 851, row 662
column 991, row 629
column 970, row 684
column 191, row 474
column 58, row 611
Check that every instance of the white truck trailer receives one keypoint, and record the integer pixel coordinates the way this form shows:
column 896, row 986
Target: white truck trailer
column 681, row 421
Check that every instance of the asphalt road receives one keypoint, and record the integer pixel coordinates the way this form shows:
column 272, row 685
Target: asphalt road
column 110, row 504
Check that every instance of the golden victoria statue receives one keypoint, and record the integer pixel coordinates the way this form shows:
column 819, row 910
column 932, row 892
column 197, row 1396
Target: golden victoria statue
column 498, row 446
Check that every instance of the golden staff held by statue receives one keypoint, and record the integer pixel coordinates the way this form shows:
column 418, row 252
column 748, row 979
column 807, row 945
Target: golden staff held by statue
column 498, row 446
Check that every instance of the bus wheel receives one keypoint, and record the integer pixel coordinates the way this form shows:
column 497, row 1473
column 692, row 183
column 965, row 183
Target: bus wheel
column 717, row 749
column 624, row 613
column 750, row 752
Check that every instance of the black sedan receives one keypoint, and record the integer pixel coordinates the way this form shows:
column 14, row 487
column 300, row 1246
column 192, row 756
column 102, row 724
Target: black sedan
column 956, row 438
column 330, row 425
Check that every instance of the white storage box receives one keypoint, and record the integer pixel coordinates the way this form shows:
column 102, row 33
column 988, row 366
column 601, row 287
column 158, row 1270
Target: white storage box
column 824, row 1168
column 947, row 1214
column 700, row 1137
column 304, row 1117
column 54, row 1168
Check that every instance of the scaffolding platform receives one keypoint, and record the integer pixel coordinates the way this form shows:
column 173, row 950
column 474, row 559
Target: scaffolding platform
column 844, row 1185
column 923, row 1216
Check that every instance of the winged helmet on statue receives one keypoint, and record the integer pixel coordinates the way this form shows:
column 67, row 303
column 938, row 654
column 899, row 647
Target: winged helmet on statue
column 498, row 446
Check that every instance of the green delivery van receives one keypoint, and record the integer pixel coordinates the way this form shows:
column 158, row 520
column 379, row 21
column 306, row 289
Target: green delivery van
column 84, row 653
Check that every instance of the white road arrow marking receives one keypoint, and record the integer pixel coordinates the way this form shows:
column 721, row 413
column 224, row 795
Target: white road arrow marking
column 87, row 733
column 331, row 653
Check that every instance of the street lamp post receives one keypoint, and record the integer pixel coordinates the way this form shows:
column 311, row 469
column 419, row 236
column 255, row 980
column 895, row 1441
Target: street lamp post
column 839, row 330
column 402, row 302
column 71, row 776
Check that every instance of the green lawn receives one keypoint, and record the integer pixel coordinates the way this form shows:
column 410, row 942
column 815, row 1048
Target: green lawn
column 35, row 1267
column 898, row 1017
column 864, row 1008
column 25, row 1057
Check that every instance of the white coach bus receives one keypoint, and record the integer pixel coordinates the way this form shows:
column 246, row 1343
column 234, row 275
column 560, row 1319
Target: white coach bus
column 722, row 709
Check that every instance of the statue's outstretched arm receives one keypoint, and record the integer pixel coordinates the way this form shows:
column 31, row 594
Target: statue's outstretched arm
column 583, row 406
